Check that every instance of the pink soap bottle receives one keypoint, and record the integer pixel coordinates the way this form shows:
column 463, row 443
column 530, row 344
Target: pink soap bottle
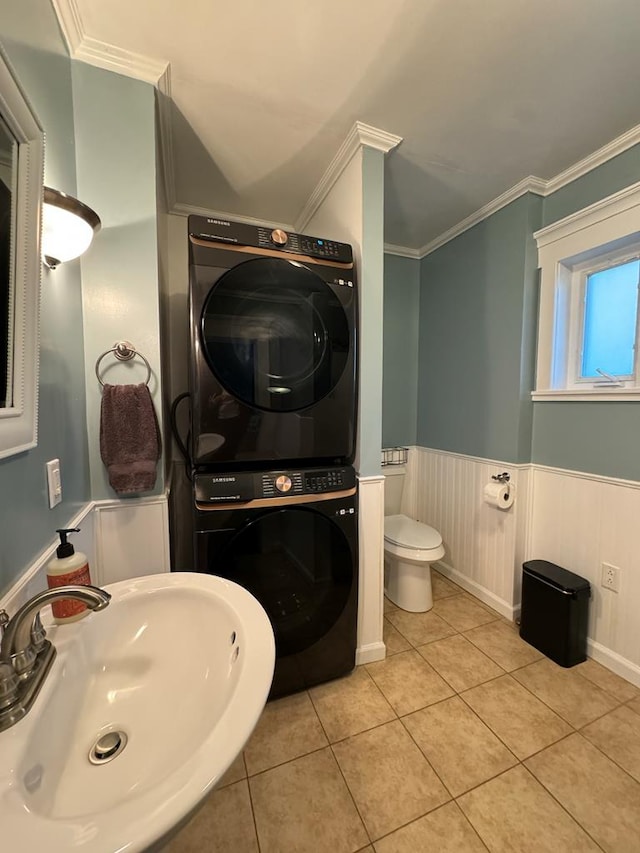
column 68, row 567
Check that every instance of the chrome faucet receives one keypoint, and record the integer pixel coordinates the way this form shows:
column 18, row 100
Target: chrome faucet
column 25, row 653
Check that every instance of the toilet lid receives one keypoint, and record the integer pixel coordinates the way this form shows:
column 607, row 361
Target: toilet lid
column 408, row 533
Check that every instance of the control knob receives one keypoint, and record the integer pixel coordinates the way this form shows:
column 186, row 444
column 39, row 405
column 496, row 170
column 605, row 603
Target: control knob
column 283, row 483
column 279, row 237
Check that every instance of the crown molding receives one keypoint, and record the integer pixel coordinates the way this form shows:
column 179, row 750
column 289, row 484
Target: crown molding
column 617, row 146
column 359, row 136
column 101, row 54
column 401, row 251
column 179, row 209
column 527, row 185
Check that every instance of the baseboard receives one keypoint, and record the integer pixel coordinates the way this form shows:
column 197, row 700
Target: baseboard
column 371, row 653
column 503, row 607
column 613, row 661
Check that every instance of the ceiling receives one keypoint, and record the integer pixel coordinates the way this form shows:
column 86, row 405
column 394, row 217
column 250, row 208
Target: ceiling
column 262, row 95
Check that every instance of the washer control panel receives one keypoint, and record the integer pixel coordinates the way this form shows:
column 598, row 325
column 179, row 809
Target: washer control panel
column 264, row 237
column 211, row 488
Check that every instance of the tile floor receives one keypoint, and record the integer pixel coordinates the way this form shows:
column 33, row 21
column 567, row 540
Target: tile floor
column 464, row 739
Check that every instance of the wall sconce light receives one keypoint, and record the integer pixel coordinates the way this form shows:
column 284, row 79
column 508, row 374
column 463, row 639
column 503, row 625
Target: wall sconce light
column 68, row 227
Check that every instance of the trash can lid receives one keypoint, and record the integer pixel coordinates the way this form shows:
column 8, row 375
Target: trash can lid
column 556, row 575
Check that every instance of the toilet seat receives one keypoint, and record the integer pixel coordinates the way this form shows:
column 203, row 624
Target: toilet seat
column 412, row 540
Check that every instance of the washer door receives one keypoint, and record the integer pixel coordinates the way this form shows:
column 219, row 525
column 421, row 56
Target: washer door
column 299, row 566
column 274, row 334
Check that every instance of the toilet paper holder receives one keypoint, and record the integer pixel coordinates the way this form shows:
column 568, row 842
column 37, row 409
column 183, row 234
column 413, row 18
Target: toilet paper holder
column 505, row 477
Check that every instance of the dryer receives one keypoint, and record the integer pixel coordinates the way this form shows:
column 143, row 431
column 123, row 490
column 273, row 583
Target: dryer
column 273, row 347
column 289, row 537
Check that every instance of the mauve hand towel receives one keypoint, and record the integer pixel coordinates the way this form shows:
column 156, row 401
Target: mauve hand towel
column 129, row 437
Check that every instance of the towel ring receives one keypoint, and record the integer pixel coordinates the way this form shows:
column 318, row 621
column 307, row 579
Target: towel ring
column 123, row 351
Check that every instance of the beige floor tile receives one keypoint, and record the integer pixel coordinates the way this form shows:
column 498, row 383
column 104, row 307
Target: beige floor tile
column 600, row 796
column 618, row 735
column 389, row 605
column 520, row 720
column 445, row 830
column 391, row 781
column 224, row 822
column 305, row 806
column 514, row 814
column 460, row 662
column 236, row 772
column 620, row 688
column 420, row 628
column 577, row 700
column 350, row 705
column 288, row 728
column 500, row 640
column 443, row 588
column 461, row 749
column 393, row 639
column 634, row 705
column 463, row 612
column 408, row 682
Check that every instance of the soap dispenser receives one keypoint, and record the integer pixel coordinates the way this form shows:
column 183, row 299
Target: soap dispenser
column 68, row 567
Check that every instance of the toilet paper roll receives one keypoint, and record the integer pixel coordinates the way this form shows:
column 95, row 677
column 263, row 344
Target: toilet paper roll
column 499, row 495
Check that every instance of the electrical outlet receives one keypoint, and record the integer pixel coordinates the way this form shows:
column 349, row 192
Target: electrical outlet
column 610, row 577
column 54, row 483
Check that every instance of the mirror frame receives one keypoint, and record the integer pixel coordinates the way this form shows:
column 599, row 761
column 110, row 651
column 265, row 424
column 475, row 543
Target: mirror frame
column 19, row 423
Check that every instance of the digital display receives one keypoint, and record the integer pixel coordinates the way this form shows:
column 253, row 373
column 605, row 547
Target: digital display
column 320, row 242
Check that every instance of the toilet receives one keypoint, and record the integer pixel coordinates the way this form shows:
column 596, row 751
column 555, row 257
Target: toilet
column 409, row 549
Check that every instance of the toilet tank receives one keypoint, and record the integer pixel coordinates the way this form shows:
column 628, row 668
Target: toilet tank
column 393, row 485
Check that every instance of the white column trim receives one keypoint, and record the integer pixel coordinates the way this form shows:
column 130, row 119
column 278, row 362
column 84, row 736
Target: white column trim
column 359, row 136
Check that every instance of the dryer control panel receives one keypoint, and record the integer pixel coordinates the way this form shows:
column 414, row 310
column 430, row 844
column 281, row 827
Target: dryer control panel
column 265, row 237
column 241, row 487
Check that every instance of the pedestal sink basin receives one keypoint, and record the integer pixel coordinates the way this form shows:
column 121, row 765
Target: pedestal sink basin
column 146, row 706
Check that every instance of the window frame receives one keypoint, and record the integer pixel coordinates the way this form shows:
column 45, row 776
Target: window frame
column 602, row 235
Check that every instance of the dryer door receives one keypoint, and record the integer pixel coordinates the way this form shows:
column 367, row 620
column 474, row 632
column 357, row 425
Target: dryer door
column 274, row 334
column 300, row 567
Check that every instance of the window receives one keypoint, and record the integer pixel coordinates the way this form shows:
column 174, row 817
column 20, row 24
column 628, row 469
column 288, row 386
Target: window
column 588, row 331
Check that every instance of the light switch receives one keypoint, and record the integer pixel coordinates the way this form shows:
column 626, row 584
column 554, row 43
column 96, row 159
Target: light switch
column 54, row 482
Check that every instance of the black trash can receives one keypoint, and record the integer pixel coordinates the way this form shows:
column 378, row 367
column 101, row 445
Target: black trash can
column 555, row 611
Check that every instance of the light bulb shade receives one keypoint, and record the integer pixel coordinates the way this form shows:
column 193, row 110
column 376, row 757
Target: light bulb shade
column 68, row 227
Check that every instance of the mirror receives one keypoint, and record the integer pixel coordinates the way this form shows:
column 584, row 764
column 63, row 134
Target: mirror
column 21, row 181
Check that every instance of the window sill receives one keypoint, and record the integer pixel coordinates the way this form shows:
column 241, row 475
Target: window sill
column 592, row 395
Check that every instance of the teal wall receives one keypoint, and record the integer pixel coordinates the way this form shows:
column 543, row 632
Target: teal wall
column 27, row 525
column 600, row 438
column 116, row 163
column 99, row 146
column 400, row 350
column 477, row 341
column 476, row 344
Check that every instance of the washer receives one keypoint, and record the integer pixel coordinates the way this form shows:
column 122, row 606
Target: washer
column 291, row 538
column 273, row 347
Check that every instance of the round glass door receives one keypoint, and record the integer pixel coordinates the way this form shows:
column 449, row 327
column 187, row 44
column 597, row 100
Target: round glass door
column 274, row 334
column 299, row 566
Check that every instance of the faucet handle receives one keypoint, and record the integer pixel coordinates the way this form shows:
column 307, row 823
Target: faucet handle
column 4, row 621
column 38, row 634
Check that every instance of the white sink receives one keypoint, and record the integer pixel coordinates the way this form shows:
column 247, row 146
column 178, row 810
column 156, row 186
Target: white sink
column 181, row 664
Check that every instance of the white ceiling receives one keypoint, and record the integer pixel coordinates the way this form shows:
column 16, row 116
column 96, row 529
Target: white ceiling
column 483, row 94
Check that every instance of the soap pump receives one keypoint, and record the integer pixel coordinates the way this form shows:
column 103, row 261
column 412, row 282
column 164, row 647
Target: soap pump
column 68, row 567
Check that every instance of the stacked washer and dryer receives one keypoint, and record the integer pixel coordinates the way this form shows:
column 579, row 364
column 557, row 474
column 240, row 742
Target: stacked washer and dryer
column 273, row 426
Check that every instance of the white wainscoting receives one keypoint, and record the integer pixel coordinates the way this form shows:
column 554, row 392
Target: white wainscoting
column 481, row 542
column 580, row 521
column 574, row 519
column 122, row 539
column 370, row 593
column 132, row 538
